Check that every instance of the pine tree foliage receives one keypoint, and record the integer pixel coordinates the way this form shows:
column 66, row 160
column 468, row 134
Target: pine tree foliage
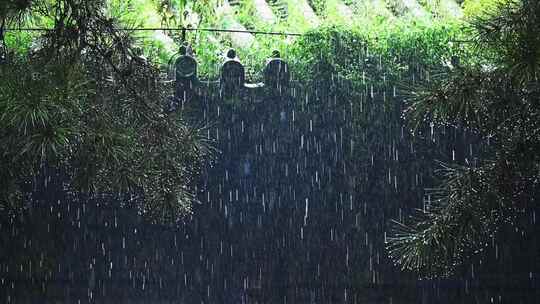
column 498, row 98
column 85, row 102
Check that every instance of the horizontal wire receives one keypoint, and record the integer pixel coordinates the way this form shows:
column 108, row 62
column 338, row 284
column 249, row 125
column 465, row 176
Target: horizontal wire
column 182, row 29
column 38, row 29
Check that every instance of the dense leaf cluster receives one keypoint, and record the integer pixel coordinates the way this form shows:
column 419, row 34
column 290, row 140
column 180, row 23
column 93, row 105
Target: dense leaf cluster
column 86, row 102
column 498, row 98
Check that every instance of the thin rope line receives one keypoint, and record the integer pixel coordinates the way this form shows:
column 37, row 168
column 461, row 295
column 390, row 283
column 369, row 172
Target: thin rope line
column 37, row 29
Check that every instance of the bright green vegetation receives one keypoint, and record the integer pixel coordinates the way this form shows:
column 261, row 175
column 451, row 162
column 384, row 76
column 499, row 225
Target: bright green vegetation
column 370, row 18
column 366, row 19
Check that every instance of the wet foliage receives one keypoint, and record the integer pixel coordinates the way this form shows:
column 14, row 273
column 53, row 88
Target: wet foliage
column 85, row 100
column 496, row 98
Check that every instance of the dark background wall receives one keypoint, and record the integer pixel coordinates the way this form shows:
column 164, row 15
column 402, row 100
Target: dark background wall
column 294, row 210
